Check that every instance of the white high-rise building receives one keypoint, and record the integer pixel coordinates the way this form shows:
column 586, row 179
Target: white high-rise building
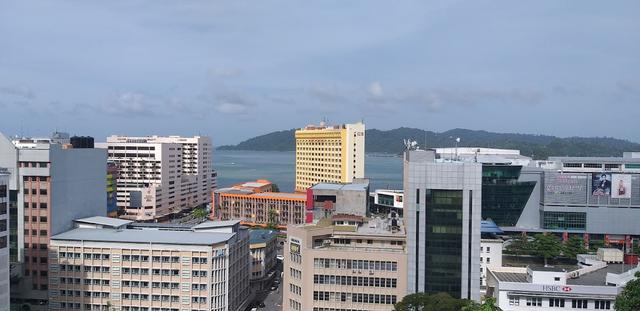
column 4, row 239
column 160, row 176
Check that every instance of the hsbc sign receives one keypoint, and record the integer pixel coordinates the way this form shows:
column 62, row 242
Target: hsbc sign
column 556, row 288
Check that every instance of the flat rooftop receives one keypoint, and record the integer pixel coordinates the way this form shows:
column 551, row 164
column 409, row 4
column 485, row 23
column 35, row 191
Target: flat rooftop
column 596, row 278
column 144, row 236
column 599, row 277
column 216, row 224
column 282, row 195
column 512, row 277
column 261, row 235
column 335, row 186
column 104, row 221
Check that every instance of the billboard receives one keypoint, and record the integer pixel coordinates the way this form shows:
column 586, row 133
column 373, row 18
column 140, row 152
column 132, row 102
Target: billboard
column 621, row 186
column 566, row 188
column 601, row 184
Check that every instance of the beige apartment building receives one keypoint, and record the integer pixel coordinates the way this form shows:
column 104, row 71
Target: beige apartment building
column 4, row 239
column 331, row 154
column 161, row 175
column 114, row 264
column 256, row 204
column 345, row 263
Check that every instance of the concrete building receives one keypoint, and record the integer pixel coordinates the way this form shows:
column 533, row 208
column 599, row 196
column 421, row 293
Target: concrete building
column 326, row 199
column 110, row 262
column 329, row 154
column 160, row 176
column 592, row 286
column 386, row 200
column 256, row 204
column 263, row 245
column 4, row 239
column 49, row 186
column 490, row 257
column 597, row 198
column 112, row 190
column 442, row 202
column 345, row 263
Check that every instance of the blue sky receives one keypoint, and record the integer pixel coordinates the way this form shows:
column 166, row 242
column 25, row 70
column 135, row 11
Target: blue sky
column 236, row 69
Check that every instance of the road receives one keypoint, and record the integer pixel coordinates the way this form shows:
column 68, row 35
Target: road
column 273, row 302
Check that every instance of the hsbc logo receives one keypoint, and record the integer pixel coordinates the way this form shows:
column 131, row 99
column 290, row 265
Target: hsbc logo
column 556, row 288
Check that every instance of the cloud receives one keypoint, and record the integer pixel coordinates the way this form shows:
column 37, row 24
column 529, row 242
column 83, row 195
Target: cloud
column 17, row 91
column 224, row 72
column 375, row 89
column 231, row 108
column 437, row 100
column 232, row 103
column 328, row 94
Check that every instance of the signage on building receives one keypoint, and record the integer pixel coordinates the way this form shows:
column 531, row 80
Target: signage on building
column 294, row 248
column 556, row 288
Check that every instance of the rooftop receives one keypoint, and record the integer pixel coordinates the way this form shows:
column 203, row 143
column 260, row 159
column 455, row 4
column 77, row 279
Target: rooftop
column 144, row 236
column 599, row 277
column 343, row 187
column 261, row 236
column 282, row 195
column 104, row 221
column 216, row 224
column 511, row 277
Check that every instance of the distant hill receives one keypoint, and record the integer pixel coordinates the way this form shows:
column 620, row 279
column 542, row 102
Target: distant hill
column 538, row 146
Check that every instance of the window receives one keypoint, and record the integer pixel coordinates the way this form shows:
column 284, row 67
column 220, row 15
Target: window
column 534, row 301
column 603, row 305
column 514, row 300
column 579, row 303
column 556, row 302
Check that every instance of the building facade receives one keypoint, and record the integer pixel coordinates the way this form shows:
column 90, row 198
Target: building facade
column 128, row 267
column 160, row 176
column 263, row 245
column 442, row 202
column 538, row 288
column 112, row 189
column 50, row 185
column 256, row 204
column 490, row 257
column 332, row 154
column 4, row 239
column 344, row 263
column 326, row 199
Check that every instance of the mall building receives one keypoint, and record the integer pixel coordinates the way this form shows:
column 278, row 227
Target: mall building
column 596, row 197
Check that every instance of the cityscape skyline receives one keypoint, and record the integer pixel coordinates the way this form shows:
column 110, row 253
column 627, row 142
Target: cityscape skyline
column 216, row 67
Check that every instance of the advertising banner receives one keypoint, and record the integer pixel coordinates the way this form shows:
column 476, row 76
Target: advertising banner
column 601, row 184
column 621, row 186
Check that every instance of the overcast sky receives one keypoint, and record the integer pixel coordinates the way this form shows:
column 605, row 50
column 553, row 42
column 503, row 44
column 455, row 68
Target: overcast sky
column 236, row 69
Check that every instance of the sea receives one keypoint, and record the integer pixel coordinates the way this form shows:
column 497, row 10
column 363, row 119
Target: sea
column 383, row 170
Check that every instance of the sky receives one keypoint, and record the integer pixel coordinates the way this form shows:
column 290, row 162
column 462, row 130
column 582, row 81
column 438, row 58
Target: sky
column 236, row 69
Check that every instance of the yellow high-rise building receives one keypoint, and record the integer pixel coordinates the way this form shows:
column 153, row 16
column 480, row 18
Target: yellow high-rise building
column 333, row 154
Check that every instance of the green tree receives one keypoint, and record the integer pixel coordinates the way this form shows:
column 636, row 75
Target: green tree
column 629, row 298
column 426, row 302
column 573, row 247
column 546, row 246
column 489, row 304
column 519, row 246
column 199, row 213
column 273, row 219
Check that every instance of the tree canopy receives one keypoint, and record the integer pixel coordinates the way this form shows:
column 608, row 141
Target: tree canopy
column 546, row 246
column 629, row 299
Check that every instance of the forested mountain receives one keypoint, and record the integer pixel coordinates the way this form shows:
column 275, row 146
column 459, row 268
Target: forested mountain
column 391, row 141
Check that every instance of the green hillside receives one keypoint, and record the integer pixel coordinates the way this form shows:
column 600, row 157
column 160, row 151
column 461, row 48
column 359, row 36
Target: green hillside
column 391, row 141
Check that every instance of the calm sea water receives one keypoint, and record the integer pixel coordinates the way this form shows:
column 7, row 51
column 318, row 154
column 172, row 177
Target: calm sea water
column 234, row 167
